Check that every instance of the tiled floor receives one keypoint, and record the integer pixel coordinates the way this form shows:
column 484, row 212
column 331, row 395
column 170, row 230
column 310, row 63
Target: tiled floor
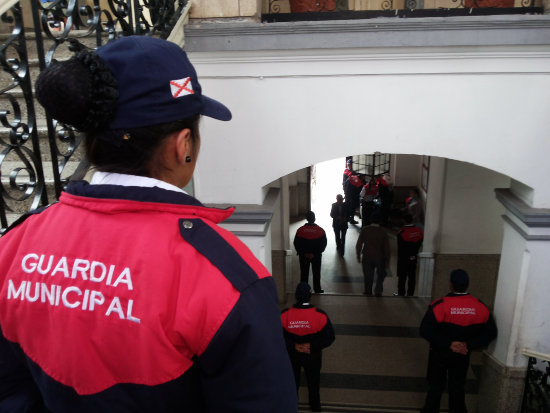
column 378, row 361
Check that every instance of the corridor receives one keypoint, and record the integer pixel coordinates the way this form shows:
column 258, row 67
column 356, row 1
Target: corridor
column 378, row 361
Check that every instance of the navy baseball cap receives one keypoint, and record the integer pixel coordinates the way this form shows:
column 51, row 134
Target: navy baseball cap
column 156, row 83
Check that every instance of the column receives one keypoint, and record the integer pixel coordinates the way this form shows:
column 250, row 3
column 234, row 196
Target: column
column 521, row 304
column 435, row 195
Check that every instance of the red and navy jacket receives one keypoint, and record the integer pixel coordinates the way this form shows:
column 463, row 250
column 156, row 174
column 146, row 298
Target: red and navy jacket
column 310, row 239
column 409, row 241
column 458, row 317
column 347, row 173
column 129, row 299
column 304, row 323
column 369, row 191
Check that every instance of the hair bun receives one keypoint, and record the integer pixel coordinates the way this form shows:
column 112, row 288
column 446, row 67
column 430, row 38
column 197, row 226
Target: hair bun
column 81, row 92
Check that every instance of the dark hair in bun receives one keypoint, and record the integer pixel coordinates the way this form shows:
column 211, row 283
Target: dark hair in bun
column 80, row 92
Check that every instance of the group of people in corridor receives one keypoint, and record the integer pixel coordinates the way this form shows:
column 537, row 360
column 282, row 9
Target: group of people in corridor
column 453, row 325
column 372, row 249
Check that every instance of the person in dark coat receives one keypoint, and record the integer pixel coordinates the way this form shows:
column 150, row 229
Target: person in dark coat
column 339, row 223
column 310, row 241
column 455, row 325
column 368, row 194
column 385, row 195
column 373, row 252
column 409, row 241
column 307, row 331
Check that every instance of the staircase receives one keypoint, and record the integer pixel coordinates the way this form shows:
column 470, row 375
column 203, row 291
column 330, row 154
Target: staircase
column 29, row 175
column 14, row 100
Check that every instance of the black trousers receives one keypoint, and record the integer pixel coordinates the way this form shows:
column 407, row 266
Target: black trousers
column 312, row 368
column 367, row 209
column 406, row 270
column 352, row 202
column 340, row 236
column 446, row 367
column 316, row 269
column 368, row 275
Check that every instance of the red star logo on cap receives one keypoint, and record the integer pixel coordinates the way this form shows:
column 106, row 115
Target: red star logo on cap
column 181, row 87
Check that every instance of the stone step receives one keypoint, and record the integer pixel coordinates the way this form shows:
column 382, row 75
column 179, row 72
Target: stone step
column 59, row 46
column 14, row 95
column 358, row 408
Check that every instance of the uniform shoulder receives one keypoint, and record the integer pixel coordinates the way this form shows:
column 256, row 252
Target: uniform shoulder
column 437, row 302
column 225, row 251
column 24, row 217
column 480, row 301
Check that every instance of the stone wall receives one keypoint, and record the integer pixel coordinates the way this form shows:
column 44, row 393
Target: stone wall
column 202, row 9
column 280, row 271
column 501, row 387
column 482, row 268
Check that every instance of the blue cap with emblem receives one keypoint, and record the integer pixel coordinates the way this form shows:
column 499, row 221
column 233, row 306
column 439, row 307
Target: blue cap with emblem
column 156, row 83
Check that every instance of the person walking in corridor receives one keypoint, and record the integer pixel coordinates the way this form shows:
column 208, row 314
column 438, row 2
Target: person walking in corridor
column 367, row 195
column 136, row 299
column 307, row 332
column 454, row 325
column 373, row 251
column 310, row 241
column 352, row 189
column 339, row 223
column 409, row 241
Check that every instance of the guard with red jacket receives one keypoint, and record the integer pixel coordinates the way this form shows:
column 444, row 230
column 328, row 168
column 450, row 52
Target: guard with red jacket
column 367, row 195
column 409, row 241
column 126, row 295
column 352, row 189
column 347, row 172
column 307, row 332
column 310, row 241
column 455, row 325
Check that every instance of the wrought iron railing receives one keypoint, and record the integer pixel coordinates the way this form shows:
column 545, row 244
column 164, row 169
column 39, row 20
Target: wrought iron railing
column 536, row 396
column 57, row 30
column 290, row 10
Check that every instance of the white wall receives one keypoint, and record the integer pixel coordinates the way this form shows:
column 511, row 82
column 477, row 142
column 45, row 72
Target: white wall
column 521, row 302
column 471, row 220
column 292, row 109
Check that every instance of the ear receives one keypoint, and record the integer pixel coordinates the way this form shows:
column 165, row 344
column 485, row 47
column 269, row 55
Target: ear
column 184, row 145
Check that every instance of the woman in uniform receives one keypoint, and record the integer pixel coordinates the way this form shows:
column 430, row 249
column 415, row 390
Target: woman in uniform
column 126, row 296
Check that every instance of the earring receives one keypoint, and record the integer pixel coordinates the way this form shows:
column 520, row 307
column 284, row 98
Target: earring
column 187, row 159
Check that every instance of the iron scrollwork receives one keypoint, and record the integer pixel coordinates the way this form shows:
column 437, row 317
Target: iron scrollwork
column 387, row 5
column 536, row 396
column 274, row 6
column 22, row 180
column 61, row 28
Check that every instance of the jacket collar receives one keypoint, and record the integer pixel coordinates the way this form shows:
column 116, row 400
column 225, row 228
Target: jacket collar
column 116, row 199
